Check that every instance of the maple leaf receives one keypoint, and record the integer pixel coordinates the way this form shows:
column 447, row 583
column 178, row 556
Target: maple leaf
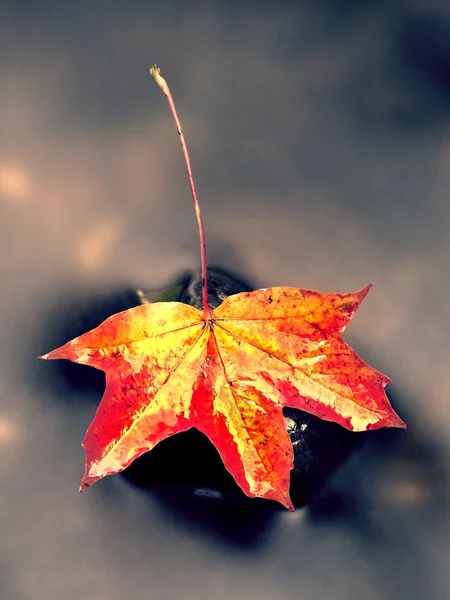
column 168, row 368
column 227, row 372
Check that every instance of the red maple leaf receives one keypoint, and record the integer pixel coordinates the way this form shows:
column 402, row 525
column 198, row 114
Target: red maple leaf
column 229, row 373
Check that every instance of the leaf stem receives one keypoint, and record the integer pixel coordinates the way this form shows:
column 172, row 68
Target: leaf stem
column 162, row 83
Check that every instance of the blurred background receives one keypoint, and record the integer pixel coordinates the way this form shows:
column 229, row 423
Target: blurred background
column 320, row 139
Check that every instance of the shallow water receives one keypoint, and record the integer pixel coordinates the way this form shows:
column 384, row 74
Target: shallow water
column 320, row 140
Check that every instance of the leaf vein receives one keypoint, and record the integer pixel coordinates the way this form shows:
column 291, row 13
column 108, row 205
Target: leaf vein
column 142, row 415
column 351, row 397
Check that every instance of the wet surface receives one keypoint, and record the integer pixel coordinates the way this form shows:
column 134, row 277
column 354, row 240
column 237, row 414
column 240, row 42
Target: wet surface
column 320, row 140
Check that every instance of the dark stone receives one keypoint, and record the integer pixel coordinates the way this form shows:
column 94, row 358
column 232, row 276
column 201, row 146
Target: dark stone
column 190, row 459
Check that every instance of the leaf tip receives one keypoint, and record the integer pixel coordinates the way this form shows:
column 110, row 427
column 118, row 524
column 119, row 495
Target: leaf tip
column 365, row 290
column 393, row 420
column 288, row 504
column 396, row 421
column 61, row 352
column 85, row 483
column 51, row 355
column 284, row 499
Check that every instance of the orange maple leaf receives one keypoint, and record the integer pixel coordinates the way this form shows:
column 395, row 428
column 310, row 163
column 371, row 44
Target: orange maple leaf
column 169, row 368
column 228, row 372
